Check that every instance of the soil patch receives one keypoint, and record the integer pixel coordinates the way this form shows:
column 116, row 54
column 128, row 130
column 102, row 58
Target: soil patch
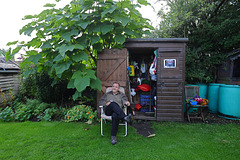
column 144, row 128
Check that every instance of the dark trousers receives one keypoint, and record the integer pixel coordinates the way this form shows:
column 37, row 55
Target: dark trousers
column 117, row 114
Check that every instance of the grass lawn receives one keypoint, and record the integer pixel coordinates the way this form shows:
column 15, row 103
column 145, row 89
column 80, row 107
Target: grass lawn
column 59, row 140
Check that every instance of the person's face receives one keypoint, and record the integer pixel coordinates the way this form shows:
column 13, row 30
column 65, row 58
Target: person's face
column 115, row 88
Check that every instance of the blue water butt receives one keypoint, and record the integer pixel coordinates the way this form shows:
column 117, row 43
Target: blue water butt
column 229, row 101
column 213, row 91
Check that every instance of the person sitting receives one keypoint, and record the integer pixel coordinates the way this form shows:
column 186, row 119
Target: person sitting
column 113, row 102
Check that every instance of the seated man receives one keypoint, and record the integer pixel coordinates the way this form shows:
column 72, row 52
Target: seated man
column 113, row 102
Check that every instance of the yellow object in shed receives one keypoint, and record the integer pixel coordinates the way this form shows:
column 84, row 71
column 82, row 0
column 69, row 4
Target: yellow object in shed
column 131, row 70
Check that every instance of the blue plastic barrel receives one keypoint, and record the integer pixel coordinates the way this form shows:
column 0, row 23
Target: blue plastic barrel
column 213, row 91
column 229, row 101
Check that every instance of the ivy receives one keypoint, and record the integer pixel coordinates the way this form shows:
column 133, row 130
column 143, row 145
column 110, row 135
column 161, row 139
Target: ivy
column 68, row 39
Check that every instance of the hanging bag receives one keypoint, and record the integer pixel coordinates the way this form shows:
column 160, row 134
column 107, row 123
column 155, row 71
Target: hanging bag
column 153, row 67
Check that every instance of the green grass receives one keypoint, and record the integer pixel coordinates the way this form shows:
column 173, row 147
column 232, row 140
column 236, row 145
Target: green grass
column 59, row 140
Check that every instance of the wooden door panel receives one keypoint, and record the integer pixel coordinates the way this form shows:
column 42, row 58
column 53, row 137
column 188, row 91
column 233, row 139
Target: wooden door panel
column 112, row 67
column 170, row 83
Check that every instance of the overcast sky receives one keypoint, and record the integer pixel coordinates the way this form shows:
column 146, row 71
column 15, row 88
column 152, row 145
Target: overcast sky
column 12, row 12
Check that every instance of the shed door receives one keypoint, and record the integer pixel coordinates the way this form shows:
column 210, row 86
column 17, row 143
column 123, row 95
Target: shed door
column 171, row 76
column 112, row 67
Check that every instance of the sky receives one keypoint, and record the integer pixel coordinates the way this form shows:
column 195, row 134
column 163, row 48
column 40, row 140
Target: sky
column 12, row 12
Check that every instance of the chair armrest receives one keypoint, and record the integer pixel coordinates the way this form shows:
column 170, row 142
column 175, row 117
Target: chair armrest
column 101, row 108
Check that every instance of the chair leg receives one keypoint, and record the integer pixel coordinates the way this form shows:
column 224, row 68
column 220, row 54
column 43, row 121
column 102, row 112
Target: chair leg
column 125, row 129
column 102, row 126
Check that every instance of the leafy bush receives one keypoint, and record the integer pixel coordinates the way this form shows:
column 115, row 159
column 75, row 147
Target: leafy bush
column 47, row 114
column 34, row 109
column 7, row 115
column 80, row 113
column 28, row 86
column 40, row 86
column 22, row 113
column 48, row 93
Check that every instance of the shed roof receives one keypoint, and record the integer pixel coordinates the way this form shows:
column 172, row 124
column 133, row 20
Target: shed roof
column 235, row 54
column 157, row 40
column 9, row 65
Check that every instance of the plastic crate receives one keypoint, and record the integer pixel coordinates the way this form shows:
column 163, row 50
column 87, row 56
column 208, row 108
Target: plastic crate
column 145, row 100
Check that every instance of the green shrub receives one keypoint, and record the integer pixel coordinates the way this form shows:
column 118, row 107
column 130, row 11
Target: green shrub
column 7, row 115
column 23, row 113
column 47, row 114
column 80, row 113
column 34, row 109
column 28, row 87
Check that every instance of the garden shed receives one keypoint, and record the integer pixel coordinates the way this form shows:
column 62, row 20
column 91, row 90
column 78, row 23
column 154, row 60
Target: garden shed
column 9, row 78
column 229, row 72
column 152, row 72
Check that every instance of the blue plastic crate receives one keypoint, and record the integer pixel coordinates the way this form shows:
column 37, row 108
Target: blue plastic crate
column 145, row 100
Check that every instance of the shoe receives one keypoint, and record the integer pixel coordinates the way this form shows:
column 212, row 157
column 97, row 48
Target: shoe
column 128, row 118
column 113, row 140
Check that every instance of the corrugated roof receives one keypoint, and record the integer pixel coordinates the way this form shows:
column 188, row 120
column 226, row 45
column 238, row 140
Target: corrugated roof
column 8, row 65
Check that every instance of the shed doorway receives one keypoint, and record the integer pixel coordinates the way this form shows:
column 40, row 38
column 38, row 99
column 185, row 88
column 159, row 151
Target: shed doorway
column 142, row 83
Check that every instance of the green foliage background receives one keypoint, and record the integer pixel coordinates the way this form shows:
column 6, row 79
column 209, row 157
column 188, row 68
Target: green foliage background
column 68, row 39
column 212, row 27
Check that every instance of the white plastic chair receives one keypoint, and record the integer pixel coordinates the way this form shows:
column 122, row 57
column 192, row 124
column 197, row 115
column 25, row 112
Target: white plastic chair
column 104, row 117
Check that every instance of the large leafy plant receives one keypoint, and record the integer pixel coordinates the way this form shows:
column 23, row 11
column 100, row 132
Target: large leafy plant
column 68, row 39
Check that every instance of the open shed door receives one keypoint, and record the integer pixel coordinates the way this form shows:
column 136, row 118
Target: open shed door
column 170, row 85
column 112, row 67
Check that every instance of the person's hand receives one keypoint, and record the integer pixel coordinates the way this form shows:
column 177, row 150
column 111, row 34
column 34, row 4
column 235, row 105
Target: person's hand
column 127, row 103
column 108, row 103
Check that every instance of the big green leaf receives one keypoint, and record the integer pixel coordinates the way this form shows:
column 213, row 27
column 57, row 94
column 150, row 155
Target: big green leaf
column 71, row 84
column 46, row 45
column 76, row 74
column 61, row 67
column 111, row 9
column 67, row 36
column 78, row 46
column 96, row 84
column 80, row 56
column 84, row 24
column 29, row 30
column 107, row 28
column 58, row 58
column 64, row 48
column 122, row 19
column 81, row 83
column 120, row 39
column 94, row 39
column 76, row 95
column 91, row 74
column 34, row 58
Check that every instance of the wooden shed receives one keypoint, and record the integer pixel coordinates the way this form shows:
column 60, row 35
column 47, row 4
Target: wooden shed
column 9, row 78
column 167, row 87
column 229, row 72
